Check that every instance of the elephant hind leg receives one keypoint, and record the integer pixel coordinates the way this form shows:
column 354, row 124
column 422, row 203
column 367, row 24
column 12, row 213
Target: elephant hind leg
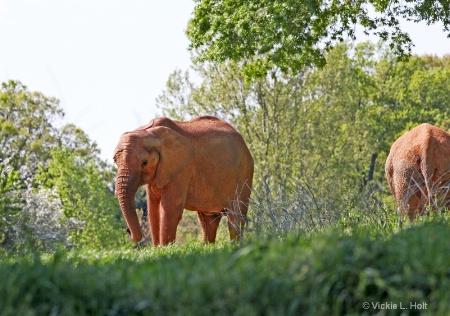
column 237, row 214
column 236, row 222
column 209, row 224
column 414, row 205
column 414, row 196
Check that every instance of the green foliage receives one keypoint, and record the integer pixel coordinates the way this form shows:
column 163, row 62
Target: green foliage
column 26, row 126
column 28, row 129
column 328, row 273
column 76, row 140
column 86, row 197
column 290, row 35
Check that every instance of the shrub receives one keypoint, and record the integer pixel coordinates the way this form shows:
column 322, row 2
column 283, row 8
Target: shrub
column 41, row 223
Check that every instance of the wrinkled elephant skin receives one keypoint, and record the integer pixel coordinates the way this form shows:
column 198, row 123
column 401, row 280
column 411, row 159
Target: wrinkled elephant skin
column 418, row 169
column 201, row 165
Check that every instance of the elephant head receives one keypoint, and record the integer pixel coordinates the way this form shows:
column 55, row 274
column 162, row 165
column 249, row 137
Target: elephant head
column 152, row 156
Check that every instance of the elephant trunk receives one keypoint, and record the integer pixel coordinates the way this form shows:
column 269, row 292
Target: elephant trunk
column 125, row 193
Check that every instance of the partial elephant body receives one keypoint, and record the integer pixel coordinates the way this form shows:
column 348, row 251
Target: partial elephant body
column 418, row 169
column 202, row 165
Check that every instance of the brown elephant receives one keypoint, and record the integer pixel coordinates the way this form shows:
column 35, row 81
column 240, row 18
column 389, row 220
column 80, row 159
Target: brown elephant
column 418, row 169
column 202, row 165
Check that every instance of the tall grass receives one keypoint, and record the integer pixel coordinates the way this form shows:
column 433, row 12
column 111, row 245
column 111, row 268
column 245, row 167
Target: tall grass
column 303, row 210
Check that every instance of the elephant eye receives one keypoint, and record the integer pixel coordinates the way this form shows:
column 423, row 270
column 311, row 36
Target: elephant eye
column 144, row 163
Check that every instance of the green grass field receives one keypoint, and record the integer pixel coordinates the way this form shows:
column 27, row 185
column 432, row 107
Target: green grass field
column 332, row 272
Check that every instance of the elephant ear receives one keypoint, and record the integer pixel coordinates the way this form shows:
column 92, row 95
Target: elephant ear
column 176, row 153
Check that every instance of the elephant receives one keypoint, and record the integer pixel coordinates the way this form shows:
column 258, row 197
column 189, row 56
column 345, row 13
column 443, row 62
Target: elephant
column 418, row 170
column 202, row 165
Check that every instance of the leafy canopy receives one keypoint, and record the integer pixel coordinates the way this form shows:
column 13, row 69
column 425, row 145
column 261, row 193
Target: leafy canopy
column 29, row 129
column 289, row 34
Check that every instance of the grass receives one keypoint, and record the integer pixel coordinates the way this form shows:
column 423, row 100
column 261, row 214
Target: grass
column 329, row 272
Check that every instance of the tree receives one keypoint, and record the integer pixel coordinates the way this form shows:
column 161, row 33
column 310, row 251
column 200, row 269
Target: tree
column 291, row 34
column 29, row 129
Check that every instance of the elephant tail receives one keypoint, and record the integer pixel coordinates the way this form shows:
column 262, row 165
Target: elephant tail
column 427, row 167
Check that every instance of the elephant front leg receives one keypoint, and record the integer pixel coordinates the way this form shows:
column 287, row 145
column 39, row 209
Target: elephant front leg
column 173, row 200
column 170, row 217
column 154, row 218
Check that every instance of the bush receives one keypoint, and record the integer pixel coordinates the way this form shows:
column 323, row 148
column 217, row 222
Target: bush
column 41, row 224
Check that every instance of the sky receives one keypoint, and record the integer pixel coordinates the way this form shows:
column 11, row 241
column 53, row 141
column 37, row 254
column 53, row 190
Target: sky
column 108, row 60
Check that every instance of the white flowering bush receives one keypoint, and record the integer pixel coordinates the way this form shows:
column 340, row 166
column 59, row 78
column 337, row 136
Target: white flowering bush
column 31, row 217
column 41, row 223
